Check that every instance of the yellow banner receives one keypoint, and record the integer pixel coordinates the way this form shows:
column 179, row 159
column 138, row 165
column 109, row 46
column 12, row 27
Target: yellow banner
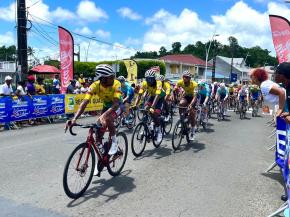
column 132, row 70
column 73, row 101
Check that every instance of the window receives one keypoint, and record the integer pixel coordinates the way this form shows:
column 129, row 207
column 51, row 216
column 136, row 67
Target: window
column 1, row 65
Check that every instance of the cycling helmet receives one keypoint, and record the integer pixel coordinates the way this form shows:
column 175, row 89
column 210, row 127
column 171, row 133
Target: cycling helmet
column 150, row 73
column 215, row 83
column 201, row 83
column 104, row 70
column 222, row 85
column 186, row 74
column 161, row 77
column 121, row 79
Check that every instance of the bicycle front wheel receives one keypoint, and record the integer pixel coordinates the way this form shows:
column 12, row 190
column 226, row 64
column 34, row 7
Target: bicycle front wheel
column 139, row 139
column 118, row 160
column 168, row 125
column 177, row 135
column 78, row 171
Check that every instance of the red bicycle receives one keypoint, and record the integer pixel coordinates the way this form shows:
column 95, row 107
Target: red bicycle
column 80, row 166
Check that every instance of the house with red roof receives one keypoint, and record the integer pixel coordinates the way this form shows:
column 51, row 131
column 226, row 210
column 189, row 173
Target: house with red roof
column 177, row 63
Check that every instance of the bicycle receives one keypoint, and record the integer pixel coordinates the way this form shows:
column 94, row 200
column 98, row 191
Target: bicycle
column 144, row 132
column 121, row 120
column 201, row 117
column 221, row 110
column 81, row 161
column 243, row 109
column 255, row 108
column 168, row 123
column 181, row 129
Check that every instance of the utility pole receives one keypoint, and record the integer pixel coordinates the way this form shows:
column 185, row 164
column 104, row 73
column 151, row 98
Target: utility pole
column 22, row 38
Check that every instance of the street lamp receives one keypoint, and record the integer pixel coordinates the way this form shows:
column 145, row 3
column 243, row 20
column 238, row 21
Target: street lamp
column 207, row 52
column 89, row 48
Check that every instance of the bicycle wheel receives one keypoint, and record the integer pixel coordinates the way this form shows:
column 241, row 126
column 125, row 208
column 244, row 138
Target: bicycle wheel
column 140, row 114
column 154, row 140
column 139, row 139
column 81, row 177
column 132, row 119
column 177, row 135
column 118, row 160
column 168, row 125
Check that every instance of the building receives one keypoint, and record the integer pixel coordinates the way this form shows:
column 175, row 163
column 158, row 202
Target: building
column 176, row 64
column 240, row 72
column 7, row 68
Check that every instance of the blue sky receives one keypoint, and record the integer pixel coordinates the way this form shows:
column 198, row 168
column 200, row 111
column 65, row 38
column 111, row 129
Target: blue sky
column 142, row 25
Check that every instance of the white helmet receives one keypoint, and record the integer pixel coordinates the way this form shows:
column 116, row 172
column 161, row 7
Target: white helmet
column 150, row 73
column 222, row 85
column 104, row 70
column 161, row 77
column 186, row 74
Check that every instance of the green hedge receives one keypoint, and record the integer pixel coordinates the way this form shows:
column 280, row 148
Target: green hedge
column 88, row 68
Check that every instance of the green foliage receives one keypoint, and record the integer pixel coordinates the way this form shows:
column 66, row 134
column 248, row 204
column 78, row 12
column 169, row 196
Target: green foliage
column 8, row 53
column 88, row 68
column 54, row 63
column 257, row 56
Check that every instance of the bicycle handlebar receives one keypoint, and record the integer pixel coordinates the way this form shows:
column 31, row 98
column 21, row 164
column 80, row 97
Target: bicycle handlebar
column 97, row 125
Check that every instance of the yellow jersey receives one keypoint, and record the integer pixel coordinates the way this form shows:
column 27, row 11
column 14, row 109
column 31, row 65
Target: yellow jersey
column 231, row 89
column 189, row 89
column 152, row 91
column 166, row 87
column 82, row 81
column 39, row 89
column 106, row 94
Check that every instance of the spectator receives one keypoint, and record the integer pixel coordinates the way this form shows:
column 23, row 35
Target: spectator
column 82, row 80
column 85, row 87
column 6, row 88
column 56, row 85
column 271, row 91
column 76, row 78
column 71, row 87
column 282, row 74
column 20, row 91
column 30, row 88
column 39, row 87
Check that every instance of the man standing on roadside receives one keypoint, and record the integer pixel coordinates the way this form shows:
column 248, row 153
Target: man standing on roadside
column 6, row 88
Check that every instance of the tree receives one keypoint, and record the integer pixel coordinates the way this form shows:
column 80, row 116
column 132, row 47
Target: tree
column 189, row 49
column 162, row 51
column 54, row 63
column 8, row 53
column 176, row 47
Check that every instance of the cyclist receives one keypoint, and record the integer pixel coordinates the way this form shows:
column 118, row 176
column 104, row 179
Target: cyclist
column 128, row 96
column 254, row 94
column 222, row 95
column 167, row 88
column 243, row 95
column 231, row 94
column 188, row 98
column 155, row 101
column 203, row 95
column 108, row 89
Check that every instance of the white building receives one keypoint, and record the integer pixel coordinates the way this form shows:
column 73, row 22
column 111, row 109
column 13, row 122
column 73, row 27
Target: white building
column 7, row 68
column 223, row 67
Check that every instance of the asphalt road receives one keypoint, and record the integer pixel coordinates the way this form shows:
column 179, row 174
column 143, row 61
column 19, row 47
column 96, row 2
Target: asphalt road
column 219, row 175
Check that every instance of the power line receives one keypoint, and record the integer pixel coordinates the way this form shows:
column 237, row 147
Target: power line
column 87, row 37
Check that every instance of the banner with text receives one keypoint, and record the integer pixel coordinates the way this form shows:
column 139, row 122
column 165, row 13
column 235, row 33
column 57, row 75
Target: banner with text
column 73, row 101
column 280, row 27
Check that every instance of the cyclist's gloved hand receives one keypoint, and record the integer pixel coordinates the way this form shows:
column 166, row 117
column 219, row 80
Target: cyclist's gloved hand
column 69, row 123
column 151, row 110
column 134, row 107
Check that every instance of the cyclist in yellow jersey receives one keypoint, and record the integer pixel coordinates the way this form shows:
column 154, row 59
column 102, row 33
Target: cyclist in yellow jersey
column 167, row 89
column 188, row 99
column 155, row 100
column 108, row 89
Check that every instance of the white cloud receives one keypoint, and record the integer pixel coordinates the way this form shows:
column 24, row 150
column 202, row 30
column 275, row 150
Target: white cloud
column 99, row 52
column 7, row 39
column 8, row 13
column 248, row 25
column 84, row 31
column 39, row 11
column 103, row 34
column 88, row 11
column 133, row 41
column 129, row 13
column 61, row 14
